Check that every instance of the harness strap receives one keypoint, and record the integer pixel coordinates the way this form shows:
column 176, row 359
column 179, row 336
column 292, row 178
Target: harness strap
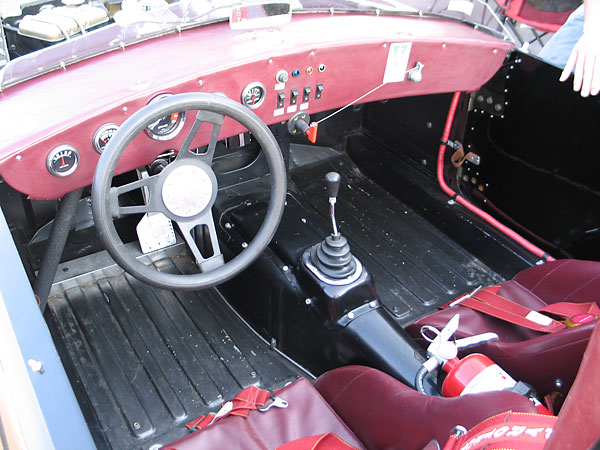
column 514, row 430
column 489, row 302
column 249, row 399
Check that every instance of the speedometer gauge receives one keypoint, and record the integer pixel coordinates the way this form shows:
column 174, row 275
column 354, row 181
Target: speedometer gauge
column 166, row 127
column 103, row 135
column 62, row 161
column 253, row 95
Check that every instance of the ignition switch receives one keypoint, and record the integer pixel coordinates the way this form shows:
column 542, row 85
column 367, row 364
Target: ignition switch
column 299, row 124
column 157, row 166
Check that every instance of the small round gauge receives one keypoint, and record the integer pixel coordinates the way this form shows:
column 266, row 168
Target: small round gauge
column 253, row 95
column 166, row 127
column 103, row 135
column 62, row 161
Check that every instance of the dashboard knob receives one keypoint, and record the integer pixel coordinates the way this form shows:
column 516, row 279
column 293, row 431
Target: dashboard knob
column 282, row 76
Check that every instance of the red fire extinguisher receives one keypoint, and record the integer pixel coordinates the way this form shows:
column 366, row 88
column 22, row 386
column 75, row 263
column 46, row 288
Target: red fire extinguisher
column 472, row 374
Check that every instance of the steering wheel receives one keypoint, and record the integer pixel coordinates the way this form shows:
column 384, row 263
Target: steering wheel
column 185, row 191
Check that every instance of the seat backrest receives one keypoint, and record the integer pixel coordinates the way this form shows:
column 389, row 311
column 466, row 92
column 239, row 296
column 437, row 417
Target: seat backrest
column 537, row 14
column 578, row 425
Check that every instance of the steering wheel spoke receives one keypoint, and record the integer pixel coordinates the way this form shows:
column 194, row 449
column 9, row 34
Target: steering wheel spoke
column 201, row 238
column 148, row 187
column 203, row 117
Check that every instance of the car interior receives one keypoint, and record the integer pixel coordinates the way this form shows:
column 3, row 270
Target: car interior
column 217, row 209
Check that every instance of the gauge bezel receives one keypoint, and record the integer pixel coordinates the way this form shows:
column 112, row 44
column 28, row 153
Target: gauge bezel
column 57, row 150
column 174, row 132
column 99, row 131
column 248, row 88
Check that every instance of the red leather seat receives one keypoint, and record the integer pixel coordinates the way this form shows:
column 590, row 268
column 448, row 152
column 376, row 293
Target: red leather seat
column 534, row 357
column 361, row 405
column 386, row 414
column 369, row 409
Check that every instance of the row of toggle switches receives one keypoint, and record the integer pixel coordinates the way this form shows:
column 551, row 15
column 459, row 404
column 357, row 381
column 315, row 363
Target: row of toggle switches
column 294, row 95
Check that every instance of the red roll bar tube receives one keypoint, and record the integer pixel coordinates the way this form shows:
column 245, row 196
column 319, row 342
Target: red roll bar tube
column 485, row 216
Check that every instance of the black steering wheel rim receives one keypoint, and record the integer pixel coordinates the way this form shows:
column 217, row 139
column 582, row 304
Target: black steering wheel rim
column 137, row 123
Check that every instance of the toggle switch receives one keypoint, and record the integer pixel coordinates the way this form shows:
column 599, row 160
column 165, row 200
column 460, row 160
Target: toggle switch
column 306, row 94
column 280, row 99
column 318, row 91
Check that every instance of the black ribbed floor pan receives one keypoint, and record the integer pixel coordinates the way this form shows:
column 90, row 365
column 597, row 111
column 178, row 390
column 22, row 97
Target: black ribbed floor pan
column 414, row 265
column 144, row 361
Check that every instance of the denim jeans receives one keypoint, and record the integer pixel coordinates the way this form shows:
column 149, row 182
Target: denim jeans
column 559, row 47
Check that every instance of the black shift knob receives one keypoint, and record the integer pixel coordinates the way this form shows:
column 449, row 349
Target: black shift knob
column 333, row 180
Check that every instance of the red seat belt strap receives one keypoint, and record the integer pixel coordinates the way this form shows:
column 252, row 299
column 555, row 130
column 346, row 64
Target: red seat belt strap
column 488, row 302
column 575, row 313
column 518, row 431
column 247, row 400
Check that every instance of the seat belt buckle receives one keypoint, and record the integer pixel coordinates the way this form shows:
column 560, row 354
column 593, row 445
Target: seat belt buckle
column 277, row 402
column 580, row 319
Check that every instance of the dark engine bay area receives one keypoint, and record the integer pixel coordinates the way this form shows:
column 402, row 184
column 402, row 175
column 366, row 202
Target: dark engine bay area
column 144, row 360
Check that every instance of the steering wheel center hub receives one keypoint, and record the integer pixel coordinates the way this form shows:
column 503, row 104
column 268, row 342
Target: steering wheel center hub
column 187, row 190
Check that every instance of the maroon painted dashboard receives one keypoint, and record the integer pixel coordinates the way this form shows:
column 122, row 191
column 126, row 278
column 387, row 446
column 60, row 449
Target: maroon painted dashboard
column 67, row 107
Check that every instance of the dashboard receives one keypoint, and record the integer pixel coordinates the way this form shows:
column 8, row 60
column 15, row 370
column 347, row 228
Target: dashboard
column 55, row 126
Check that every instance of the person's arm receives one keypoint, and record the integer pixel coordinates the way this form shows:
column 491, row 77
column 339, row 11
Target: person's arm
column 585, row 57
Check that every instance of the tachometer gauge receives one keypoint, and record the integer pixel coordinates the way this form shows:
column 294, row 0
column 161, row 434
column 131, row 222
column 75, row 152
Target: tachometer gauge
column 253, row 95
column 166, row 127
column 62, row 161
column 103, row 135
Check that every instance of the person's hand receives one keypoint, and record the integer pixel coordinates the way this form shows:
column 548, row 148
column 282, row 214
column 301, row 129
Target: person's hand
column 585, row 59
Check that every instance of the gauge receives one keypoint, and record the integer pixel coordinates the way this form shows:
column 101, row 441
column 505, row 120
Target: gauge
column 103, row 135
column 253, row 95
column 62, row 161
column 166, row 127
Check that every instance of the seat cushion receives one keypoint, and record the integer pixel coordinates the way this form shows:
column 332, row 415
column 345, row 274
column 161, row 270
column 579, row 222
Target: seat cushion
column 384, row 413
column 308, row 414
column 521, row 351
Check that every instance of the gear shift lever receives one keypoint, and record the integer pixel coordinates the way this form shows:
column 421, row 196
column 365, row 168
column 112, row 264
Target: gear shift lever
column 333, row 180
column 332, row 256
